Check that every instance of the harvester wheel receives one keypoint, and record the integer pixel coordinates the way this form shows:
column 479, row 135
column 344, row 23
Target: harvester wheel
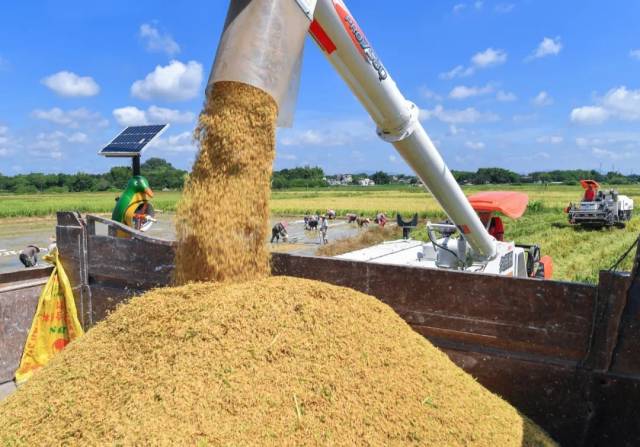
column 533, row 258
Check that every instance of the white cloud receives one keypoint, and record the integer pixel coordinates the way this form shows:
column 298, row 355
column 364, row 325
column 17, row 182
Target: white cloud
column 475, row 145
column 612, row 155
column 504, row 8
column 393, row 159
column 308, row 137
column 542, row 99
column 620, row 103
column 489, row 58
column 454, row 130
column 163, row 115
column 550, row 139
column 182, row 142
column 503, row 96
column 548, row 47
column 130, row 116
column 589, row 115
column 635, row 54
column 76, row 137
column 581, row 141
column 458, row 7
column 4, row 131
column 174, row 82
column 452, row 116
column 133, row 116
column 71, row 118
column 483, row 59
column 50, row 144
column 155, row 41
column 68, row 84
column 429, row 94
column 525, row 118
column 328, row 133
column 623, row 103
column 289, row 157
column 464, row 92
column 478, row 4
column 456, row 72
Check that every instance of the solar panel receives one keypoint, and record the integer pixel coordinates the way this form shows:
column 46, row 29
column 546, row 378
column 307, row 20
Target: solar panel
column 133, row 141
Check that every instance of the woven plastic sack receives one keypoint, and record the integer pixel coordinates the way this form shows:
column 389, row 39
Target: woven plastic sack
column 55, row 323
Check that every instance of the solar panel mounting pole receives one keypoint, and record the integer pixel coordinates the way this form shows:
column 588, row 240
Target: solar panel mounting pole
column 135, row 165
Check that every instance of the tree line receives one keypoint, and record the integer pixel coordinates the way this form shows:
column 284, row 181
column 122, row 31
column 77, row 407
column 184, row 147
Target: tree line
column 162, row 175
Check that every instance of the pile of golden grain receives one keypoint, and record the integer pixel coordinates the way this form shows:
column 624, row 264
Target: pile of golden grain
column 222, row 220
column 277, row 361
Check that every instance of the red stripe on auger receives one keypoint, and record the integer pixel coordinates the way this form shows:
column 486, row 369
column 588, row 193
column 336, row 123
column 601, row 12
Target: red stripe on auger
column 320, row 35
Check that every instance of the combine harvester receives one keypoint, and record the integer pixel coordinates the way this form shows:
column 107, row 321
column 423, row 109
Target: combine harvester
column 345, row 45
column 599, row 209
column 564, row 354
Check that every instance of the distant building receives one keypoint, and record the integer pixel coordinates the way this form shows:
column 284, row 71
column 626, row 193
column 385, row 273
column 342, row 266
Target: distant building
column 345, row 179
column 366, row 182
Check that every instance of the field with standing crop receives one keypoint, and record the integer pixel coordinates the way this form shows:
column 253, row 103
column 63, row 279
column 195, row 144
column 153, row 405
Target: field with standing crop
column 578, row 253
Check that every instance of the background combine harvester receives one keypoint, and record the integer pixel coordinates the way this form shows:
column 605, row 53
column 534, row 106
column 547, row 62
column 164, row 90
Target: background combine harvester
column 565, row 354
column 600, row 208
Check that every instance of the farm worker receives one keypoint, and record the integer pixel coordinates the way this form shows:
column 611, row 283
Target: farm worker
column 493, row 225
column 29, row 256
column 331, row 214
column 589, row 194
column 323, row 229
column 496, row 228
column 279, row 230
column 381, row 219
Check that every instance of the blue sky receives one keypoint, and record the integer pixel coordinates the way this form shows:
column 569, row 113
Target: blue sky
column 525, row 85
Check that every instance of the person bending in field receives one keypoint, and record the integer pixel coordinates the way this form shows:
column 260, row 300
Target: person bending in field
column 29, row 256
column 279, row 230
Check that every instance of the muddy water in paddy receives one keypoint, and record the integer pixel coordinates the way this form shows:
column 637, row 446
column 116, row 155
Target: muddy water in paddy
column 17, row 233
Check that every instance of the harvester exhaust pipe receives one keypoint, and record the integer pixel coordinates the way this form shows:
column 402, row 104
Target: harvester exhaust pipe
column 261, row 45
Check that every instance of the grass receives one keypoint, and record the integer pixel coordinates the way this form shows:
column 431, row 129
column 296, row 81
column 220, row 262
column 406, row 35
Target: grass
column 578, row 254
column 33, row 205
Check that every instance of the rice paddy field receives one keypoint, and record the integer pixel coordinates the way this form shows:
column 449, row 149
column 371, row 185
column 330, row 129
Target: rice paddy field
column 578, row 253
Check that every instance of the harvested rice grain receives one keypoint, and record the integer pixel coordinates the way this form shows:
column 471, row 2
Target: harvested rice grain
column 222, row 220
column 277, row 361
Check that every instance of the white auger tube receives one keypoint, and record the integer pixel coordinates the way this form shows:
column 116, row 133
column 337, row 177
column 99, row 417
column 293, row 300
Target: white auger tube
column 341, row 39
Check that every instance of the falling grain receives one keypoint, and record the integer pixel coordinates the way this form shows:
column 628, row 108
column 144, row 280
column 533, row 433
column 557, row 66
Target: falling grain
column 222, row 220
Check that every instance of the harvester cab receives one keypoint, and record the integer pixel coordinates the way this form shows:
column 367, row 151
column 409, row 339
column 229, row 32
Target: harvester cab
column 133, row 207
column 600, row 208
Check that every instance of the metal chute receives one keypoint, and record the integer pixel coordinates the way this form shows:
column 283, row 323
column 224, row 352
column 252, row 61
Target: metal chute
column 262, row 45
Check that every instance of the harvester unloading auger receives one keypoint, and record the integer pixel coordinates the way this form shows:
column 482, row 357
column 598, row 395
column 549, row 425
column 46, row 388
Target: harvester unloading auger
column 262, row 45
